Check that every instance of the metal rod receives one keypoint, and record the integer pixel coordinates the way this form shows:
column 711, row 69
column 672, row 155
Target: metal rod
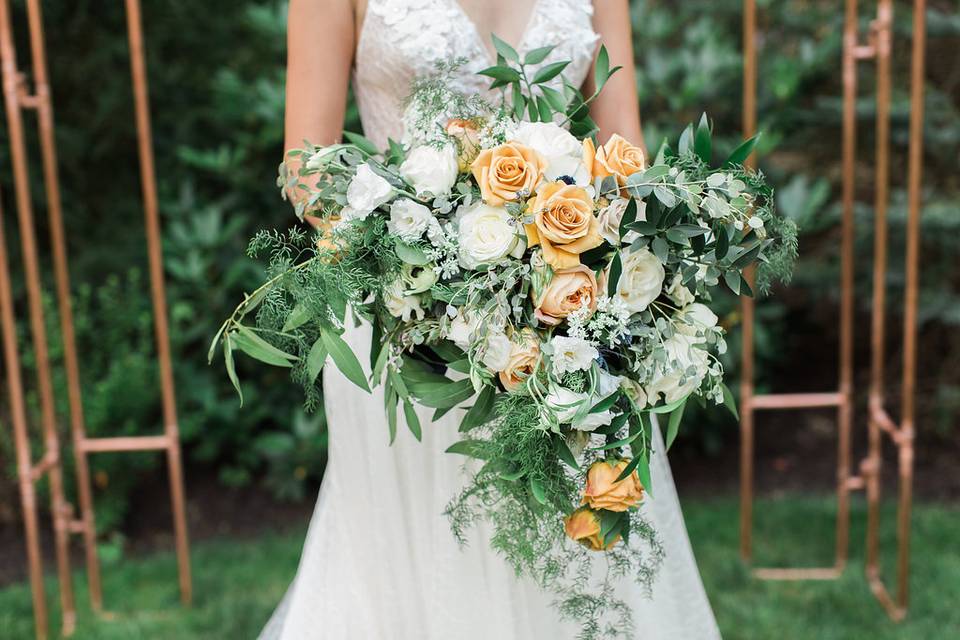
column 21, row 439
column 149, row 187
column 12, row 89
column 746, row 303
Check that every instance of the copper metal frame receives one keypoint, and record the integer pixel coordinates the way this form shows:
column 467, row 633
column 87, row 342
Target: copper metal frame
column 17, row 98
column 880, row 423
column 842, row 398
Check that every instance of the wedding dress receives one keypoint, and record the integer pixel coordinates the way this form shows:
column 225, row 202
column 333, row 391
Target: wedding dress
column 379, row 561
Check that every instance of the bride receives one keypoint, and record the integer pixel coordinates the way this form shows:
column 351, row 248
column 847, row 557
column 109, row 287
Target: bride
column 380, row 562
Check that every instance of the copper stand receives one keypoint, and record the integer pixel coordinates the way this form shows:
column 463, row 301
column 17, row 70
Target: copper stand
column 17, row 98
column 878, row 48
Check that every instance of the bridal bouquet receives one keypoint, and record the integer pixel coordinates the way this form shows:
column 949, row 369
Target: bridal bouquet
column 555, row 286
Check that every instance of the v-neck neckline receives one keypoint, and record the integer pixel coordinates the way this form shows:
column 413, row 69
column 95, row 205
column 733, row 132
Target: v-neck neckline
column 489, row 53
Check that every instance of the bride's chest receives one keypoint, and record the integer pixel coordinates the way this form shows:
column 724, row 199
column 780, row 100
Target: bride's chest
column 403, row 39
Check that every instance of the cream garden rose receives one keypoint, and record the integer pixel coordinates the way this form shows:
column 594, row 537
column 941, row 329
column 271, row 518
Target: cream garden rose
column 506, row 170
column 487, row 235
column 563, row 224
column 567, row 291
column 611, row 216
column 431, row 170
column 641, row 280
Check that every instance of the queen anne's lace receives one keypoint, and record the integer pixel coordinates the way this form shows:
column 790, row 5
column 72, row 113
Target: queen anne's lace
column 405, row 39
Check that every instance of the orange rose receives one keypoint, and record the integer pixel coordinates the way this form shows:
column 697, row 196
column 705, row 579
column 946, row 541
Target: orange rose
column 567, row 291
column 602, row 492
column 505, row 171
column 522, row 363
column 583, row 526
column 618, row 158
column 467, row 137
column 563, row 223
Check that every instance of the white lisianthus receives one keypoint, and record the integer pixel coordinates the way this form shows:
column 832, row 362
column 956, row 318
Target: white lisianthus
column 683, row 372
column 431, row 170
column 408, row 219
column 607, row 383
column 641, row 280
column 418, row 279
column 462, row 327
column 571, row 354
column 680, row 295
column 593, row 421
column 366, row 192
column 564, row 153
column 564, row 404
column 487, row 235
column 496, row 354
column 611, row 216
column 400, row 304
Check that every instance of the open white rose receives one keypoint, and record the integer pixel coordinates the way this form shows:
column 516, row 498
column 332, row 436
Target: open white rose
column 487, row 235
column 571, row 354
column 672, row 378
column 431, row 170
column 400, row 304
column 563, row 152
column 408, row 219
column 641, row 280
column 366, row 192
column 496, row 354
column 611, row 216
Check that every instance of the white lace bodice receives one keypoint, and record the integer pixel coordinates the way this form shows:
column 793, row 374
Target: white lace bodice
column 403, row 39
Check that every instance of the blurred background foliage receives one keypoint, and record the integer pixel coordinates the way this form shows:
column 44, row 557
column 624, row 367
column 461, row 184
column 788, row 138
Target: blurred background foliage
column 216, row 74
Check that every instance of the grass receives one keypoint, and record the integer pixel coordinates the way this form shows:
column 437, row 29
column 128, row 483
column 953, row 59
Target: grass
column 237, row 583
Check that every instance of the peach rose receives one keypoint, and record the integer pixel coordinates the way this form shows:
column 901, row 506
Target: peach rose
column 467, row 137
column 522, row 362
column 618, row 158
column 602, row 492
column 583, row 526
column 567, row 291
column 505, row 171
column 563, row 224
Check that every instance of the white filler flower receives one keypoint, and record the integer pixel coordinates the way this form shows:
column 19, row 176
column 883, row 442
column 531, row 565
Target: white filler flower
column 366, row 192
column 408, row 219
column 641, row 280
column 431, row 170
column 487, row 235
column 571, row 354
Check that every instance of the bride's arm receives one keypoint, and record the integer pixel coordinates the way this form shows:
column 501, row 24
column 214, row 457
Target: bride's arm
column 320, row 44
column 616, row 110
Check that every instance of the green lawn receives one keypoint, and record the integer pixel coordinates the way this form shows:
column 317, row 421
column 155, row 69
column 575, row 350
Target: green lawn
column 237, row 583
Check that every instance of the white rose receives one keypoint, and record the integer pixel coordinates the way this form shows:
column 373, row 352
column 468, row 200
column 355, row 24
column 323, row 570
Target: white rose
column 462, row 328
column 408, row 219
column 487, row 235
column 366, row 192
column 641, row 280
column 496, row 355
column 611, row 216
column 431, row 170
column 401, row 305
column 571, row 354
column 564, row 153
column 671, row 378
column 680, row 295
